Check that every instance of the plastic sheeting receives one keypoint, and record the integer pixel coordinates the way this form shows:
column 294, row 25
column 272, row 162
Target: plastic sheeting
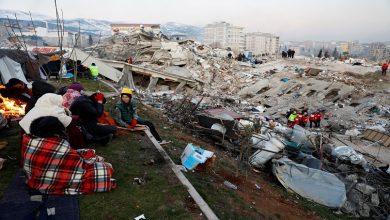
column 347, row 153
column 10, row 69
column 316, row 185
column 267, row 151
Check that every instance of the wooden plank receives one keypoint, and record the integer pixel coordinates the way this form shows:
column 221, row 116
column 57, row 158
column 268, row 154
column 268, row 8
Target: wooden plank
column 207, row 211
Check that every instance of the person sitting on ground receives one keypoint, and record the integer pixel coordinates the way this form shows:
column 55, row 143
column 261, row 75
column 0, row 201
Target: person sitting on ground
column 49, row 104
column 94, row 71
column 89, row 109
column 126, row 114
column 39, row 88
column 53, row 167
column 73, row 91
column 16, row 89
column 82, row 71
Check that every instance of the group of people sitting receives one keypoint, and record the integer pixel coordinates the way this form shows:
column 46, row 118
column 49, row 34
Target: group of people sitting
column 56, row 130
column 302, row 118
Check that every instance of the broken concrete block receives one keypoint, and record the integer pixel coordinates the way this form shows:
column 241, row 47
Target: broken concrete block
column 375, row 199
column 352, row 177
column 365, row 189
column 364, row 210
column 349, row 207
column 343, row 167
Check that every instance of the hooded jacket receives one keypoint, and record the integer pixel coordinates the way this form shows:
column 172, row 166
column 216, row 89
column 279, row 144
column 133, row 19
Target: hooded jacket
column 88, row 110
column 69, row 97
column 48, row 105
column 39, row 88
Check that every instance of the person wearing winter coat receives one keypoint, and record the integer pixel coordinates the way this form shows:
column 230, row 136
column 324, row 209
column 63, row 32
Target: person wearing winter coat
column 39, row 88
column 89, row 109
column 49, row 104
column 73, row 91
column 126, row 114
column 52, row 167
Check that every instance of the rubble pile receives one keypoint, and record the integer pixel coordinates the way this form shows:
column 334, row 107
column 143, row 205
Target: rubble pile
column 241, row 107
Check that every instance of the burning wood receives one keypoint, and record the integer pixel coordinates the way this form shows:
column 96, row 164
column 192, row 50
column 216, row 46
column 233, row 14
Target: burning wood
column 11, row 108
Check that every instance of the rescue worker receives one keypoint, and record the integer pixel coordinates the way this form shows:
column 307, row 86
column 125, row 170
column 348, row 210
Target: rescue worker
column 312, row 118
column 318, row 118
column 94, row 71
column 291, row 119
column 384, row 69
column 298, row 119
column 305, row 119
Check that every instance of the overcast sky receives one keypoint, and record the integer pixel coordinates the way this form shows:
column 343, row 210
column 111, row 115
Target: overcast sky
column 364, row 20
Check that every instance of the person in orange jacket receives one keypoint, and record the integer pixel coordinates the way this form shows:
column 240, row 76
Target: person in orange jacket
column 318, row 118
column 312, row 119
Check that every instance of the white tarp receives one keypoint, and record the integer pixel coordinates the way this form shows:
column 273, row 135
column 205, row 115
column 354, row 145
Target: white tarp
column 10, row 69
column 319, row 186
column 104, row 69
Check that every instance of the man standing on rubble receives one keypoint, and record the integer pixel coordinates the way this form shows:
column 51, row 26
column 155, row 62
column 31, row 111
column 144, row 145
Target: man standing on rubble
column 312, row 120
column 291, row 119
column 317, row 118
column 384, row 69
column 304, row 120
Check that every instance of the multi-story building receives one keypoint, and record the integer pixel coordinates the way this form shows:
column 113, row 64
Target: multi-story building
column 345, row 47
column 224, row 35
column 128, row 28
column 50, row 37
column 262, row 44
column 379, row 51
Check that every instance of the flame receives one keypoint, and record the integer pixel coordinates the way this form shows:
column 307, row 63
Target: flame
column 11, row 108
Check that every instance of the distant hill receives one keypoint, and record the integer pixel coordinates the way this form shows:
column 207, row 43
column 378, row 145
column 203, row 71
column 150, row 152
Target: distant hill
column 173, row 28
column 93, row 26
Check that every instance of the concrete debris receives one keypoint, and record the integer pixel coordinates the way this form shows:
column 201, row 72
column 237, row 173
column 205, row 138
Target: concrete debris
column 241, row 107
column 349, row 154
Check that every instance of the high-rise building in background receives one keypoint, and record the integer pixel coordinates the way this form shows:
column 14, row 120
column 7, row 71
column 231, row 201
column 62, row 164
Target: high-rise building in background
column 224, row 35
column 262, row 44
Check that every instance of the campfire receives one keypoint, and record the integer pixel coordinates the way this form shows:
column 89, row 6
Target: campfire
column 11, row 109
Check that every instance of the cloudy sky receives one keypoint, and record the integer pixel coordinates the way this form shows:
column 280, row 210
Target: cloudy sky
column 364, row 20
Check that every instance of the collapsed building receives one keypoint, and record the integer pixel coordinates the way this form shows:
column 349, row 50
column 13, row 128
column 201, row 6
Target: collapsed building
column 241, row 107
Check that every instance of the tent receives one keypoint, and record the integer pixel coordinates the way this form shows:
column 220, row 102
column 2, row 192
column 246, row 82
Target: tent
column 10, row 69
column 104, row 69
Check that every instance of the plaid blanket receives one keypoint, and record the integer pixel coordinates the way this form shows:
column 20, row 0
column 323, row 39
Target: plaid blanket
column 52, row 167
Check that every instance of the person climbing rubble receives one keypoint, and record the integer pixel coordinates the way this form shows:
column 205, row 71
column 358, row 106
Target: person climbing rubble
column 126, row 114
column 385, row 66
column 318, row 118
column 304, row 120
column 53, row 167
column 291, row 119
column 312, row 119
